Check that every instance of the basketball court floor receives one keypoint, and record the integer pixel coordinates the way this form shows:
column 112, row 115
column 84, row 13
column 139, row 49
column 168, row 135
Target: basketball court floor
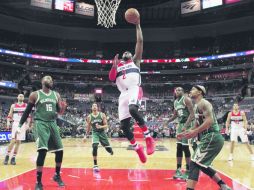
column 123, row 170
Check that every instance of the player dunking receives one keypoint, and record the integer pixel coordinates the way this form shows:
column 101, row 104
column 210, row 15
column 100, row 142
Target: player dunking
column 47, row 103
column 238, row 124
column 126, row 74
column 98, row 122
column 211, row 141
column 183, row 110
column 16, row 111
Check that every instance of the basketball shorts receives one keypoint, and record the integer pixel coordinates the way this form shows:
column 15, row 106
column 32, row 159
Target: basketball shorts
column 208, row 148
column 238, row 132
column 18, row 136
column 100, row 137
column 131, row 96
column 47, row 135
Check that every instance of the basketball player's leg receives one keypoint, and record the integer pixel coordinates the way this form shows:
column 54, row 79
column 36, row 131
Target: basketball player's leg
column 125, row 121
column 9, row 149
column 135, row 96
column 126, row 127
column 105, row 143
column 179, row 153
column 215, row 177
column 186, row 150
column 19, row 137
column 95, row 144
column 233, row 138
column 209, row 147
column 15, row 152
column 245, row 140
column 12, row 142
column 55, row 145
column 42, row 134
column 194, row 175
column 187, row 155
column 179, row 158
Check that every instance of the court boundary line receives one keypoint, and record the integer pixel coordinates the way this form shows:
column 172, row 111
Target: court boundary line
column 234, row 179
column 17, row 175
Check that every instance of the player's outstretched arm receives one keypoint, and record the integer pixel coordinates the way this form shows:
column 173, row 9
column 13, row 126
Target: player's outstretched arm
column 139, row 46
column 113, row 71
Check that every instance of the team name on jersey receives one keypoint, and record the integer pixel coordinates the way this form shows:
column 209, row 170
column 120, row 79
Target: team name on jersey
column 236, row 118
column 47, row 100
column 19, row 109
column 96, row 121
column 124, row 67
column 178, row 107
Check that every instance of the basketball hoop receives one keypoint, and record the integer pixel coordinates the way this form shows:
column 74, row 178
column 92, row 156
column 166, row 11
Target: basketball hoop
column 107, row 12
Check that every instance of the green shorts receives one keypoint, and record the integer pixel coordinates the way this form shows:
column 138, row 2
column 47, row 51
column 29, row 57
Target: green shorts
column 47, row 136
column 180, row 128
column 100, row 137
column 209, row 147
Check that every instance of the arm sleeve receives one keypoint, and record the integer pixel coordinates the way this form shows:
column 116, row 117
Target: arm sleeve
column 112, row 74
column 26, row 113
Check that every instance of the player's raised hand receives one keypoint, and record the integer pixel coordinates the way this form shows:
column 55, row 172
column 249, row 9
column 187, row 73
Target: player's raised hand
column 115, row 60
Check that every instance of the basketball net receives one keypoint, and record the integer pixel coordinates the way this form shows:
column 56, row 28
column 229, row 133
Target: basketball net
column 107, row 12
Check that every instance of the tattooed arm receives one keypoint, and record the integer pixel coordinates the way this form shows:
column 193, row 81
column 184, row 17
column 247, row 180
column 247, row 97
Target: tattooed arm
column 206, row 108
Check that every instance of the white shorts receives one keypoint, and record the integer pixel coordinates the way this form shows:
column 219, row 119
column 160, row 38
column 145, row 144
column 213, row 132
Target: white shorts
column 131, row 96
column 238, row 132
column 21, row 136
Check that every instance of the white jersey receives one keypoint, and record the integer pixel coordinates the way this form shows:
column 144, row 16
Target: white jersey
column 18, row 111
column 128, row 75
column 236, row 120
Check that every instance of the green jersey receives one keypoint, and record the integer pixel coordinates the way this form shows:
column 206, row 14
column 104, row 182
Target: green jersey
column 181, row 109
column 46, row 106
column 200, row 120
column 96, row 119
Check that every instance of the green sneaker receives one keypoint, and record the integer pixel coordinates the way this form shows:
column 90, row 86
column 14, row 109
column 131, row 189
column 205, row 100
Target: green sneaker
column 178, row 174
column 186, row 175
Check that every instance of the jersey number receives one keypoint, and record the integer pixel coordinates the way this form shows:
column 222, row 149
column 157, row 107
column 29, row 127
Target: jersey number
column 124, row 74
column 49, row 107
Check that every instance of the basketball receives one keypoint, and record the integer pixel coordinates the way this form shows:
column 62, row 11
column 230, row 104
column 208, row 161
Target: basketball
column 132, row 16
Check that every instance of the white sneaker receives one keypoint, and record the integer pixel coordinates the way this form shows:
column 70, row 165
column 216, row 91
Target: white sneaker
column 96, row 168
column 230, row 158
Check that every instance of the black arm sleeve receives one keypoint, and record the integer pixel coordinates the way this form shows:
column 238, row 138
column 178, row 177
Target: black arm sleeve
column 26, row 113
column 58, row 108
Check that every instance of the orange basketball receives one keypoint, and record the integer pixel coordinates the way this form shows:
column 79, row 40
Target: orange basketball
column 132, row 16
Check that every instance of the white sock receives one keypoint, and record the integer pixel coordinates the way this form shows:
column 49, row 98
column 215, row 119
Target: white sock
column 147, row 134
column 135, row 146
